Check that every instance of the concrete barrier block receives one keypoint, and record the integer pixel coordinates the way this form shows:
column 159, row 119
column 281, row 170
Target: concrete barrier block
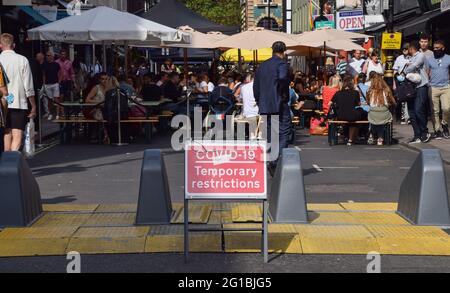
column 20, row 197
column 287, row 201
column 424, row 197
column 154, row 204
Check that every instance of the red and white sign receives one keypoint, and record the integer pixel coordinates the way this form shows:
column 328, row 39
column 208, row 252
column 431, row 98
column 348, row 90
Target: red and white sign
column 226, row 170
column 350, row 20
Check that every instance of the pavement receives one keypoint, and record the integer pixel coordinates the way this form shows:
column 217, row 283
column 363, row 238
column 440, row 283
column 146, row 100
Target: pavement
column 336, row 178
column 404, row 134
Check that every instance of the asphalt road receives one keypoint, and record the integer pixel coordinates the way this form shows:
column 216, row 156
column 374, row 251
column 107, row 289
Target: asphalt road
column 226, row 263
column 101, row 174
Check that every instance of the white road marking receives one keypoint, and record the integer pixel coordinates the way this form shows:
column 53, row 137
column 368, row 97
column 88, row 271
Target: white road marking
column 317, row 168
column 320, row 169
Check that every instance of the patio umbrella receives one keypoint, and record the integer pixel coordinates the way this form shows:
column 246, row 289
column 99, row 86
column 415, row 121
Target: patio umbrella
column 103, row 24
column 233, row 55
column 334, row 45
column 199, row 40
column 327, row 35
column 255, row 39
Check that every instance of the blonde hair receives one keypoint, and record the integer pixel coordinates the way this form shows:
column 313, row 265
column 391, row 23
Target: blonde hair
column 7, row 40
column 379, row 92
column 329, row 61
column 335, row 82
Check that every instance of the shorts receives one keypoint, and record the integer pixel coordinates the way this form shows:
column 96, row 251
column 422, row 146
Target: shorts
column 16, row 119
column 52, row 90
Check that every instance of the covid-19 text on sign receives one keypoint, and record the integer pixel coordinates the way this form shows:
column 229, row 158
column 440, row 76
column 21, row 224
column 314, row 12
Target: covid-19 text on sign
column 226, row 170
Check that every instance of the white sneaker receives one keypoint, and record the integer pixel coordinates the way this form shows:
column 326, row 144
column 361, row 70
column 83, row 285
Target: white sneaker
column 57, row 117
column 50, row 117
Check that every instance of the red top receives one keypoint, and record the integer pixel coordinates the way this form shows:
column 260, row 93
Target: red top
column 327, row 95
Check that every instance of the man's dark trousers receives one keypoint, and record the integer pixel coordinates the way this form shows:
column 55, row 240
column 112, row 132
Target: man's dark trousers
column 285, row 129
column 418, row 112
column 2, row 145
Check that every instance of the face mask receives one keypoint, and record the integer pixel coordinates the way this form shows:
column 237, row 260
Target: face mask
column 401, row 78
column 438, row 54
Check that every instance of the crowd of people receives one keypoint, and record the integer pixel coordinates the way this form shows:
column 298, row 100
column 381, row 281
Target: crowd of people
column 352, row 90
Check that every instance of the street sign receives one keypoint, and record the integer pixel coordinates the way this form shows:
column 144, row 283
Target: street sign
column 226, row 170
column 323, row 22
column 391, row 41
column 350, row 20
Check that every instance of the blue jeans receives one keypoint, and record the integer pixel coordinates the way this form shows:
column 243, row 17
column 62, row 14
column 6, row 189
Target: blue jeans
column 418, row 112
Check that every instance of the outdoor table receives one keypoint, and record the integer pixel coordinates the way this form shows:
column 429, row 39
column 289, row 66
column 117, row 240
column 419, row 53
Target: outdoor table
column 72, row 109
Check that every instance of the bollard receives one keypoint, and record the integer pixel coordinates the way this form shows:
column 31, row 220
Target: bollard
column 424, row 197
column 154, row 204
column 20, row 197
column 287, row 202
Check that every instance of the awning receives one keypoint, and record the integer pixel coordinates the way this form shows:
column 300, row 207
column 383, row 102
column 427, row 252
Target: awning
column 412, row 25
column 34, row 14
column 417, row 24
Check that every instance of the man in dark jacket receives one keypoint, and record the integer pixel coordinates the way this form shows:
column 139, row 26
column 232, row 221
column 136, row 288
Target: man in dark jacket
column 271, row 90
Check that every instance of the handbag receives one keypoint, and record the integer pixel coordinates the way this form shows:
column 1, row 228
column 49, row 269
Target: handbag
column 332, row 112
column 318, row 127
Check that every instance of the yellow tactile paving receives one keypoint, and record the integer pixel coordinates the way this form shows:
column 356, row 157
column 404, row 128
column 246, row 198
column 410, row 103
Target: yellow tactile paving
column 411, row 240
column 282, row 239
column 220, row 217
column 383, row 218
column 170, row 238
column 111, row 219
column 35, row 241
column 329, row 239
column 317, row 207
column 69, row 207
column 244, row 213
column 62, row 220
column 331, row 218
column 198, row 214
column 93, row 240
column 387, row 207
column 117, row 208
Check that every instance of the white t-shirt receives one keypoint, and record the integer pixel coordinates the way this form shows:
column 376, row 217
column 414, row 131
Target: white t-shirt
column 400, row 63
column 378, row 68
column 18, row 70
column 209, row 85
column 357, row 65
column 247, row 96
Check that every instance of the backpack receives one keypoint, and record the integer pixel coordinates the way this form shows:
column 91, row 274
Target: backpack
column 405, row 91
column 110, row 109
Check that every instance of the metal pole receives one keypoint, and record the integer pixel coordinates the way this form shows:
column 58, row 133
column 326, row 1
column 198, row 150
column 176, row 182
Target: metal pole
column 93, row 59
column 266, row 231
column 40, row 118
column 389, row 73
column 119, row 124
column 104, row 56
column 186, row 230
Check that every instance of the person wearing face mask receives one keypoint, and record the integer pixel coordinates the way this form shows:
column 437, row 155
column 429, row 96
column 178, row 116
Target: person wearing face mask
column 438, row 66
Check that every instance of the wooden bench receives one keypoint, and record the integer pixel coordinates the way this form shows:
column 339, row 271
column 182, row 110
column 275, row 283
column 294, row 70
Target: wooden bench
column 333, row 128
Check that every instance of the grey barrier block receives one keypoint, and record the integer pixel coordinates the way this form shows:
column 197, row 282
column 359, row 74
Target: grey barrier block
column 154, row 204
column 287, row 201
column 20, row 197
column 424, row 195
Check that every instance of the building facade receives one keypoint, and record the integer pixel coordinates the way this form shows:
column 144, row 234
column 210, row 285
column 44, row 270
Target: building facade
column 263, row 13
